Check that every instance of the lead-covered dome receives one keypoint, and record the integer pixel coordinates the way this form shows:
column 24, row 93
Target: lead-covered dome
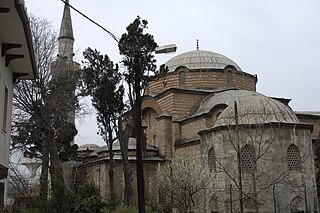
column 255, row 108
column 88, row 147
column 200, row 59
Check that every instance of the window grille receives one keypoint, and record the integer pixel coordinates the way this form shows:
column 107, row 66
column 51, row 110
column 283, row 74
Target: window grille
column 248, row 158
column 212, row 159
column 294, row 161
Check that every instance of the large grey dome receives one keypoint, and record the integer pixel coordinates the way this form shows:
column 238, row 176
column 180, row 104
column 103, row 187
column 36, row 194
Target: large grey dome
column 200, row 59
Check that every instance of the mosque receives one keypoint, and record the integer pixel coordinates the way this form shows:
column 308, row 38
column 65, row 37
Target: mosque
column 207, row 108
column 190, row 112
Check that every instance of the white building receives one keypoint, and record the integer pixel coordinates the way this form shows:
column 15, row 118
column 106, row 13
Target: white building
column 16, row 62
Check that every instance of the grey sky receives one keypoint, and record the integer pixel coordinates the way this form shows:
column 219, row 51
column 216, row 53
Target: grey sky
column 277, row 40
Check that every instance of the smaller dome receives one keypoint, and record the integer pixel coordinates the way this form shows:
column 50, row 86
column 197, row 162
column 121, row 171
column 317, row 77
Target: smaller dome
column 131, row 146
column 88, row 147
column 200, row 59
column 221, row 98
column 257, row 109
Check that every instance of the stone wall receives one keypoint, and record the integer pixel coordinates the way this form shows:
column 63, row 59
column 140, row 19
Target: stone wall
column 97, row 173
column 273, row 143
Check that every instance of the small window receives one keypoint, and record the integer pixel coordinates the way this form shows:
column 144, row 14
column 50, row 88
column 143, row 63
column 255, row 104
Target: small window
column 5, row 109
column 229, row 77
column 297, row 204
column 213, row 203
column 150, row 122
column 249, row 204
column 182, row 77
column 294, row 161
column 212, row 159
column 155, row 142
column 162, row 197
column 248, row 158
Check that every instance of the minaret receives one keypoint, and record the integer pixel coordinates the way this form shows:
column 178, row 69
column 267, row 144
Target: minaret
column 66, row 34
column 64, row 68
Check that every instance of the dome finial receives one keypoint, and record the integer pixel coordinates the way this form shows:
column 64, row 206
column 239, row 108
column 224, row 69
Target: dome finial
column 197, row 44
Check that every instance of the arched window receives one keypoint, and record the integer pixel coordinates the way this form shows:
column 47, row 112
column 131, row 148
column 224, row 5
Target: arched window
column 150, row 122
column 248, row 158
column 213, row 203
column 212, row 159
column 229, row 76
column 249, row 204
column 155, row 142
column 297, row 204
column 294, row 161
column 182, row 77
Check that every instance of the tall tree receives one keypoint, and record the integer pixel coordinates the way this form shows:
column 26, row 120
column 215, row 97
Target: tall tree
column 103, row 82
column 137, row 49
column 42, row 126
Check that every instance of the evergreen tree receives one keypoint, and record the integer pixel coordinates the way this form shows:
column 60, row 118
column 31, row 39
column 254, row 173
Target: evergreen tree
column 102, row 81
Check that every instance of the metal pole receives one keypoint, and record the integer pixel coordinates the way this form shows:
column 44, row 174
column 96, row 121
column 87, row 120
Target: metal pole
column 138, row 128
column 230, row 198
column 238, row 155
column 305, row 198
column 274, row 199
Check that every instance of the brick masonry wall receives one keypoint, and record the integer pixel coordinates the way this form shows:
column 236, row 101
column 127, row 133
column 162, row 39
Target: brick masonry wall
column 189, row 130
column 202, row 79
column 183, row 104
column 166, row 103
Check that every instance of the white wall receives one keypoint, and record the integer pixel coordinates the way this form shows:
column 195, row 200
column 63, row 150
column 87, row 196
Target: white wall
column 5, row 81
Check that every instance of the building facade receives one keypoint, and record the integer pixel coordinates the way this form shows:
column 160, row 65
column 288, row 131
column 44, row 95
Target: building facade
column 206, row 108
column 16, row 62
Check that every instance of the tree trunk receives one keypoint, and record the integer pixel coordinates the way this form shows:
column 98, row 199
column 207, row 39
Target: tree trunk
column 124, row 141
column 111, row 171
column 44, row 171
column 57, row 179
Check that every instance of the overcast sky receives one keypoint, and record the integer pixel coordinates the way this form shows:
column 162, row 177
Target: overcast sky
column 277, row 40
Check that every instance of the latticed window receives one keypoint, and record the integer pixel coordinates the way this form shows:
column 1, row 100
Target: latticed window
column 294, row 161
column 248, row 158
column 212, row 159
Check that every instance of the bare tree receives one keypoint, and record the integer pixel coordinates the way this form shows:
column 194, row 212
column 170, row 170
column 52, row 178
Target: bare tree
column 247, row 149
column 22, row 184
column 183, row 179
column 44, row 109
column 28, row 95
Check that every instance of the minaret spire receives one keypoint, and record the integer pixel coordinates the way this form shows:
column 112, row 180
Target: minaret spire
column 66, row 34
